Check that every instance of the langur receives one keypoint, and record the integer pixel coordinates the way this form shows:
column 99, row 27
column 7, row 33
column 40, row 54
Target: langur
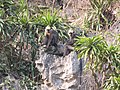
column 69, row 46
column 51, row 38
column 70, row 43
column 60, row 3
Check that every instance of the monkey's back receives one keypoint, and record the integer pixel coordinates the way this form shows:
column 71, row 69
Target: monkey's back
column 55, row 37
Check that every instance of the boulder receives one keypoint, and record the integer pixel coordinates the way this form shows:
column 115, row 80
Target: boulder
column 58, row 73
column 63, row 73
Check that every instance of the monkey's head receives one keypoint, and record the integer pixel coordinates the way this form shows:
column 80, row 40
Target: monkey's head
column 70, row 32
column 47, row 30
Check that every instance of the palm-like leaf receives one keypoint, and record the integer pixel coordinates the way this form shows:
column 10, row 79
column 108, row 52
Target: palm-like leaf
column 96, row 17
column 88, row 46
column 50, row 19
column 99, row 54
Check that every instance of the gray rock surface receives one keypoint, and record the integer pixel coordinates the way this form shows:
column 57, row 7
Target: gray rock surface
column 59, row 73
column 63, row 73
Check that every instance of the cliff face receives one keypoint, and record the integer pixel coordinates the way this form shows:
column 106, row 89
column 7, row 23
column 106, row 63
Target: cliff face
column 59, row 73
column 62, row 73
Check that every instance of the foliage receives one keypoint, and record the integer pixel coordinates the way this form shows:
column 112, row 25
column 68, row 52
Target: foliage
column 99, row 17
column 48, row 19
column 113, row 83
column 21, row 31
column 102, row 59
column 7, row 83
column 24, row 84
column 89, row 46
column 17, row 39
column 54, row 21
column 28, row 84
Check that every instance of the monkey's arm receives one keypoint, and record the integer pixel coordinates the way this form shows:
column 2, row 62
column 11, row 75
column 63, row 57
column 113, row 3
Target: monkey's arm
column 49, row 40
column 70, row 42
column 44, row 41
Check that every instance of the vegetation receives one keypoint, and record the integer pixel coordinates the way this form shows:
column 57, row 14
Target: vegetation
column 21, row 31
column 102, row 59
column 100, row 16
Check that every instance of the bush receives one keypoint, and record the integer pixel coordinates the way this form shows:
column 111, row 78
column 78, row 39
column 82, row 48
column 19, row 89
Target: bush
column 100, row 17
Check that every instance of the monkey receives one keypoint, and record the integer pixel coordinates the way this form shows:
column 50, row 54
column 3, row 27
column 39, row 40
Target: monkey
column 60, row 3
column 69, row 46
column 70, row 43
column 51, row 38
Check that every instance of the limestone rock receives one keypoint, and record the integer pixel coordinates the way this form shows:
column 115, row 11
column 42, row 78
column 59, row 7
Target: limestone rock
column 58, row 73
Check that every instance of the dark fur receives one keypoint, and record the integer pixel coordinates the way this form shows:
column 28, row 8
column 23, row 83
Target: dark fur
column 70, row 43
column 52, row 39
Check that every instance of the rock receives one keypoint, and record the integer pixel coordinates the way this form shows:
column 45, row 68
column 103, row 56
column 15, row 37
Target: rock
column 115, row 28
column 58, row 73
column 63, row 73
column 112, row 33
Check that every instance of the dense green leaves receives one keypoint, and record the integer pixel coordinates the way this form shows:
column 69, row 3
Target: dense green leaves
column 113, row 57
column 101, row 58
column 17, row 36
column 50, row 19
column 90, row 46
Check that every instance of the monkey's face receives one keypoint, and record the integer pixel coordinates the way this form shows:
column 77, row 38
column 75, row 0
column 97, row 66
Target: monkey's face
column 47, row 32
column 70, row 33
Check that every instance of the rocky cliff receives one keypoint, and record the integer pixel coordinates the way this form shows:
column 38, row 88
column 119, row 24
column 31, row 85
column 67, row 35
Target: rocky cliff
column 62, row 73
